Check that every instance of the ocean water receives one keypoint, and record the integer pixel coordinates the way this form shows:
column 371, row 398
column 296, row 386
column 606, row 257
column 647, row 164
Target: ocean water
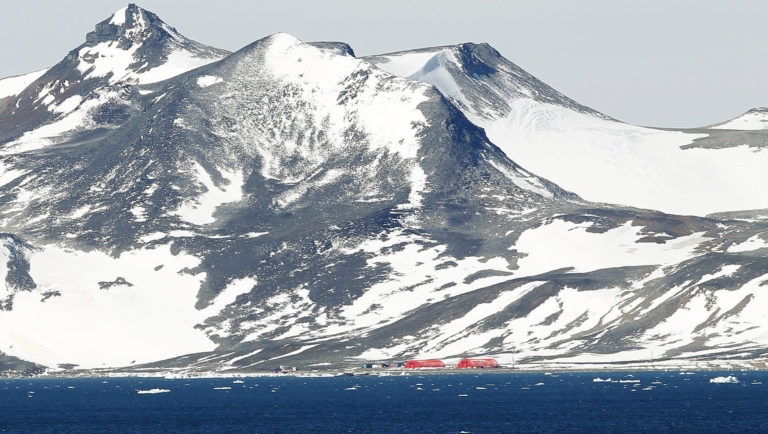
column 506, row 402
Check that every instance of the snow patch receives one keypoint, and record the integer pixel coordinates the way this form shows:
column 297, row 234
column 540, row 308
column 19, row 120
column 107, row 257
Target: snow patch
column 293, row 353
column 725, row 271
column 139, row 213
column 525, row 181
column 406, row 64
column 12, row 86
column 418, row 180
column 754, row 242
column 561, row 244
column 152, row 237
column 245, row 356
column 5, row 255
column 200, row 211
column 67, row 105
column 79, row 212
column 8, row 174
column 229, row 294
column 178, row 62
column 208, row 80
column 107, row 58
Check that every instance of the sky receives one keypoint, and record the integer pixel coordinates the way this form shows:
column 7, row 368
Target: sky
column 671, row 63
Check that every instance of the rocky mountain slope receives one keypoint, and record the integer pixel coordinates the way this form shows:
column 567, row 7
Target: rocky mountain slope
column 293, row 204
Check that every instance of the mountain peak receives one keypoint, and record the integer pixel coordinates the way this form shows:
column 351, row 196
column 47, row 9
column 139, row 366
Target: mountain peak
column 130, row 25
column 478, row 68
column 132, row 46
column 135, row 40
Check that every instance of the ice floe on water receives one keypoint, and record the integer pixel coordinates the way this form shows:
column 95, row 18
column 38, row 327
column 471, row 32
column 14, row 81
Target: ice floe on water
column 724, row 380
column 152, row 391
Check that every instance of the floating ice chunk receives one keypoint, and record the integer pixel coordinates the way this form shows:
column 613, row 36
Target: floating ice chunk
column 152, row 391
column 724, row 380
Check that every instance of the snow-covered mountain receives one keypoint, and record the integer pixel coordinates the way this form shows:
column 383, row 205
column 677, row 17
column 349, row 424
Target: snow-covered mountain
column 686, row 172
column 87, row 91
column 293, row 204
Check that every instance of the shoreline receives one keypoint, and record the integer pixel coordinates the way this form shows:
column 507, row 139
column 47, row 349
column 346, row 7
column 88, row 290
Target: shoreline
column 357, row 371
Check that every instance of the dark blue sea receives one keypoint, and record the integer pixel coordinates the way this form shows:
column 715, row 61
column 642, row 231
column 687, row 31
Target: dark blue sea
column 508, row 402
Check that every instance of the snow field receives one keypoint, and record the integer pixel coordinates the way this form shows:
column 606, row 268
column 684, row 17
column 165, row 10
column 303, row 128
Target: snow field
column 607, row 161
column 151, row 319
